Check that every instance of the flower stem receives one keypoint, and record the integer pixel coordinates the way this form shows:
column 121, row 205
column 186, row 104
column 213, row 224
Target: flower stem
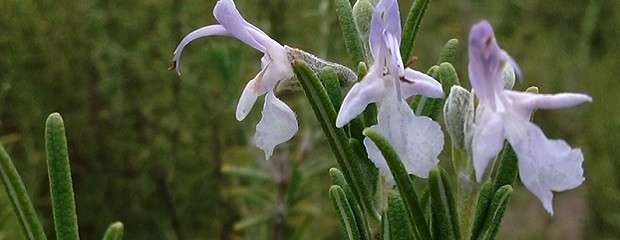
column 467, row 189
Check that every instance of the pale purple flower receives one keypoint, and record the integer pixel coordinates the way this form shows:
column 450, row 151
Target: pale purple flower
column 418, row 140
column 278, row 123
column 545, row 165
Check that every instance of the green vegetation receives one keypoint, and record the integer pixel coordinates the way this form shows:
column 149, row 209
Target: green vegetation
column 165, row 155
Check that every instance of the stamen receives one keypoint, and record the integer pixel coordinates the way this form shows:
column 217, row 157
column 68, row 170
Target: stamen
column 411, row 60
column 174, row 65
column 488, row 41
column 403, row 79
column 259, row 77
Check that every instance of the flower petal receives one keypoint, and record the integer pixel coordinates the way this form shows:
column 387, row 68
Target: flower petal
column 226, row 13
column 488, row 139
column 422, row 84
column 385, row 18
column 278, row 125
column 526, row 102
column 275, row 70
column 375, row 37
column 247, row 100
column 395, row 62
column 387, row 11
column 486, row 63
column 417, row 140
column 514, row 65
column 210, row 30
column 367, row 91
column 545, row 165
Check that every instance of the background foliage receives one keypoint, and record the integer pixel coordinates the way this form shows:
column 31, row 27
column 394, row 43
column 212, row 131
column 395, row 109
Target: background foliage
column 165, row 155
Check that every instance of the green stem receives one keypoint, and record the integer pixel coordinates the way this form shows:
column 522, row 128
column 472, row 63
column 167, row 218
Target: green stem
column 22, row 206
column 61, row 186
column 467, row 191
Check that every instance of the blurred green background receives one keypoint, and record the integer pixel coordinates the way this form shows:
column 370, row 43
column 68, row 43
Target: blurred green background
column 165, row 155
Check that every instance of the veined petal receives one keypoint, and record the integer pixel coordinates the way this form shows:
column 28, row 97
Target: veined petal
column 375, row 37
column 545, row 165
column 417, row 140
column 247, row 100
column 278, row 125
column 486, row 63
column 387, row 11
column 226, row 13
column 488, row 139
column 274, row 71
column 524, row 102
column 515, row 66
column 367, row 91
column 421, row 84
column 395, row 61
column 211, row 30
column 385, row 20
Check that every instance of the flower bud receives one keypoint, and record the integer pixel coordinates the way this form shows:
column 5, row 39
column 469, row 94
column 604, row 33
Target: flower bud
column 346, row 76
column 458, row 116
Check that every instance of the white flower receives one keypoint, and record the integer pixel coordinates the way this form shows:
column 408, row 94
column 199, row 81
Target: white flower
column 545, row 165
column 417, row 140
column 278, row 123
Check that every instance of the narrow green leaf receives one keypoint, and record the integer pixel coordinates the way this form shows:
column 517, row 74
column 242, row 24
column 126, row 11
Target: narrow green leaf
column 399, row 225
column 425, row 203
column 448, row 77
column 362, row 14
column 332, row 86
column 356, row 127
column 448, row 53
column 445, row 217
column 370, row 115
column 496, row 212
column 482, row 208
column 507, row 169
column 16, row 192
column 114, row 231
column 412, row 27
column 352, row 38
column 370, row 171
column 345, row 213
column 339, row 180
column 61, row 186
column 403, row 182
column 336, row 137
